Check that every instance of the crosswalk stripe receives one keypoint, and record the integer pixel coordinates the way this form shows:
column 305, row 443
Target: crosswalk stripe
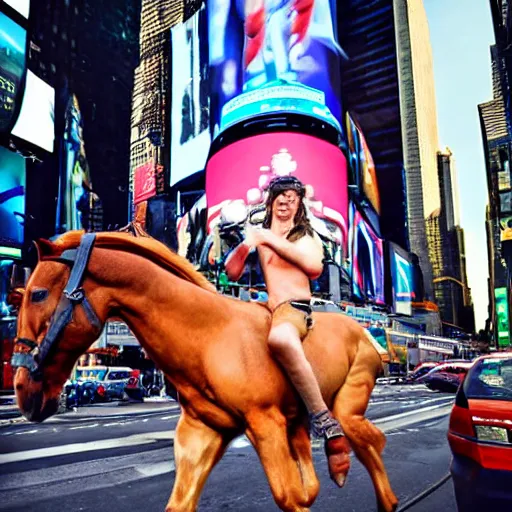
column 104, row 444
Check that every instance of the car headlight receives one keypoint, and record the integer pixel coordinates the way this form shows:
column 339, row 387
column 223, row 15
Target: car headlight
column 496, row 434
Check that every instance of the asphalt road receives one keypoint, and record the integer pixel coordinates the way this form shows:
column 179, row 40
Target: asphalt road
column 126, row 463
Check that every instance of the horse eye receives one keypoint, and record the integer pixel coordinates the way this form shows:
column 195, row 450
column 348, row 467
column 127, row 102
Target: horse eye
column 39, row 295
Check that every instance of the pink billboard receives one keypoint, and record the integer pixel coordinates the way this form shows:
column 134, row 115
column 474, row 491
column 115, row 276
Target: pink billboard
column 144, row 184
column 238, row 175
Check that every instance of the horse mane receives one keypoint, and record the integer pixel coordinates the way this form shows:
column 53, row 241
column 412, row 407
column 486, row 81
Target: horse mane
column 147, row 247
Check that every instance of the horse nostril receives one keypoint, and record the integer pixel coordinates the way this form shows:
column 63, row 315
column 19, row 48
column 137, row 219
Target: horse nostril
column 19, row 387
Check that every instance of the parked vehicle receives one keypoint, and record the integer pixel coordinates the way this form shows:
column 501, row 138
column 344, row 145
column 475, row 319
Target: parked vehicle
column 480, row 436
column 420, row 370
column 108, row 382
column 446, row 376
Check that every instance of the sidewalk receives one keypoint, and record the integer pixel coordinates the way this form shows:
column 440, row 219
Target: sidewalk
column 9, row 412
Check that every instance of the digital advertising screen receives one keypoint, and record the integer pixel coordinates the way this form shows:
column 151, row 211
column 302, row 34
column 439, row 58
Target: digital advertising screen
column 12, row 203
column 75, row 177
column 237, row 179
column 22, row 6
column 190, row 105
column 287, row 48
column 402, row 280
column 35, row 123
column 367, row 256
column 364, row 173
column 502, row 317
column 506, row 229
column 12, row 68
column 144, row 184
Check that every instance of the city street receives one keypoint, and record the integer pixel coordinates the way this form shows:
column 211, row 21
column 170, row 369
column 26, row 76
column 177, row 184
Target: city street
column 76, row 462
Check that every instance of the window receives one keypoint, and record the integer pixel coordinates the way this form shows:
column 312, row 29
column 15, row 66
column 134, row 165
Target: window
column 490, row 378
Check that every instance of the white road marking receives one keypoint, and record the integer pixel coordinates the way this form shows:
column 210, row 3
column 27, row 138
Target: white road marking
column 170, row 417
column 27, row 432
column 160, row 468
column 104, row 444
column 84, row 426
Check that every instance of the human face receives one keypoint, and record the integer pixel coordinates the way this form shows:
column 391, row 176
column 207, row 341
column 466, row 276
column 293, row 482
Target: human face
column 286, row 205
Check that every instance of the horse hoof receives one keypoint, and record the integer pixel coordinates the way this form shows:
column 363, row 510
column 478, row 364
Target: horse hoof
column 337, row 451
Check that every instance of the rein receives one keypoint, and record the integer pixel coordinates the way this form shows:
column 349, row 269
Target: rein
column 72, row 296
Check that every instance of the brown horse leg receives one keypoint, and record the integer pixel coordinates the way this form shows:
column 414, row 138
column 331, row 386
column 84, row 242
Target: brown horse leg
column 197, row 448
column 365, row 438
column 300, row 444
column 268, row 433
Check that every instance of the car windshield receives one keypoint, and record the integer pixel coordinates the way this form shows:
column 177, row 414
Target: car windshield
column 91, row 374
column 118, row 375
column 490, row 378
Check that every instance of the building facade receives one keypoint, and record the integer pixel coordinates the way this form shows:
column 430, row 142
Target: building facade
column 497, row 143
column 89, row 49
column 447, row 252
column 388, row 81
column 150, row 118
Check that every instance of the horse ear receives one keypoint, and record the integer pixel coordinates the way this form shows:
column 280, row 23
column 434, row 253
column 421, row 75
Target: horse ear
column 44, row 248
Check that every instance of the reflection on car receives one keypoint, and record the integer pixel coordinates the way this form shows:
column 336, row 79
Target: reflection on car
column 480, row 436
column 446, row 376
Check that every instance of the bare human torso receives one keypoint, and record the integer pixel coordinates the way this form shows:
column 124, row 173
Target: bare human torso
column 284, row 280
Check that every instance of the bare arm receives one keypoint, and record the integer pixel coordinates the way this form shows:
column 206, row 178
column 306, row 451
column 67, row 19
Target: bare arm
column 306, row 253
column 235, row 264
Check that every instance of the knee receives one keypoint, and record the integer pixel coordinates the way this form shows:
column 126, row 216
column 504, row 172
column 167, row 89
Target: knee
column 282, row 342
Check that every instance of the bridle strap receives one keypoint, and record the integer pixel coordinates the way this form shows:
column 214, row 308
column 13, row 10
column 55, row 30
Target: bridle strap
column 73, row 295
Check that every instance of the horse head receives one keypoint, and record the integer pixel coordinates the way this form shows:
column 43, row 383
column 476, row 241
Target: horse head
column 56, row 324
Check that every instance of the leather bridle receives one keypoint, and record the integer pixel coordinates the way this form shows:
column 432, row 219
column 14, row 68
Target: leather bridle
column 72, row 296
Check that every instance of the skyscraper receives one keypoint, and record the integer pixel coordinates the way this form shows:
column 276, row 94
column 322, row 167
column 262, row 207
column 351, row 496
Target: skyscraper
column 89, row 49
column 419, row 125
column 497, row 141
column 447, row 251
column 388, row 81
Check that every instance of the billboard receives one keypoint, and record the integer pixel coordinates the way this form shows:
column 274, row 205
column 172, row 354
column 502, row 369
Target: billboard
column 238, row 175
column 35, row 123
column 22, row 6
column 12, row 203
column 367, row 257
column 12, row 68
column 144, row 184
column 190, row 105
column 506, row 229
column 75, row 181
column 502, row 317
column 287, row 48
column 402, row 280
column 364, row 172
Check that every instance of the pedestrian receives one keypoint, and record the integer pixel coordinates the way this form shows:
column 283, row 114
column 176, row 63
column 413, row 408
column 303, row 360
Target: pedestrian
column 291, row 254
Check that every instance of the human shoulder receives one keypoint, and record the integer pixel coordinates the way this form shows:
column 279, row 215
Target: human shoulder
column 310, row 239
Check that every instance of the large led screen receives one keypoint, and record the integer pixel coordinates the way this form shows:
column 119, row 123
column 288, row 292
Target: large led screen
column 12, row 68
column 12, row 203
column 22, row 6
column 365, row 174
column 288, row 44
column 190, row 105
column 75, row 181
column 237, row 179
column 35, row 123
column 367, row 256
column 502, row 317
column 402, row 280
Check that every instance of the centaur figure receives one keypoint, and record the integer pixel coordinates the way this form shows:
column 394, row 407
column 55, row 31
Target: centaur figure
column 291, row 255
column 214, row 349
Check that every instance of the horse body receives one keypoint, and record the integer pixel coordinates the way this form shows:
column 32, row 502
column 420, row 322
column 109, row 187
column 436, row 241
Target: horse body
column 214, row 350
